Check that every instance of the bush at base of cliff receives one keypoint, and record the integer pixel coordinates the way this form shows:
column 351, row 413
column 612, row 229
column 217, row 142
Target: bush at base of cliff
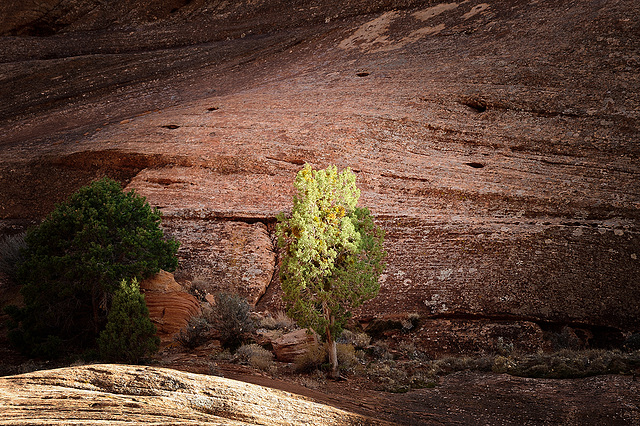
column 195, row 333
column 256, row 356
column 130, row 336
column 75, row 260
column 230, row 318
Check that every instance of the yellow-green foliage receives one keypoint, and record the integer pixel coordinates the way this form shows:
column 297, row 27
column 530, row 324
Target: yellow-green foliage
column 333, row 253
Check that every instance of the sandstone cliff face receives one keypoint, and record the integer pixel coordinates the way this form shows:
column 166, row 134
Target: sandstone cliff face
column 496, row 143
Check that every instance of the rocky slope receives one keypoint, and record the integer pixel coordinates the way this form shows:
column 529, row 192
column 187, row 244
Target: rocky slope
column 497, row 144
column 146, row 395
column 119, row 394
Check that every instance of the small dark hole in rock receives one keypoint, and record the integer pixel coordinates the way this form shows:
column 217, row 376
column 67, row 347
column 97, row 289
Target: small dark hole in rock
column 362, row 74
column 213, row 109
column 475, row 165
column 171, row 126
column 476, row 104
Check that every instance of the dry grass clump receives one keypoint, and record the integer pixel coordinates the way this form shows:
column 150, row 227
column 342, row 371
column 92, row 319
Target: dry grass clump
column 313, row 359
column 347, row 359
column 357, row 340
column 279, row 321
column 256, row 356
column 397, row 377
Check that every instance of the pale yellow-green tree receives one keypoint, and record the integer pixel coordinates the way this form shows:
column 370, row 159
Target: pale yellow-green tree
column 333, row 253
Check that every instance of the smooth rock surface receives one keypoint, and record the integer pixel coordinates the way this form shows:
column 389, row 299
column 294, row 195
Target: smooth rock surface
column 170, row 306
column 224, row 256
column 118, row 394
column 291, row 345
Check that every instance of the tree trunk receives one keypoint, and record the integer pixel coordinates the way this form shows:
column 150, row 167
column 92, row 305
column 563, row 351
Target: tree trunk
column 333, row 356
column 333, row 349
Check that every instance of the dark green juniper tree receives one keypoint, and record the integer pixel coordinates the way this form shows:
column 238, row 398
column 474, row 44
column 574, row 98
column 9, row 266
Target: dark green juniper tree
column 130, row 335
column 74, row 263
column 333, row 253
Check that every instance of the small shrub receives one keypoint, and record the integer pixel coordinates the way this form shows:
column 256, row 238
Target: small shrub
column 284, row 322
column 504, row 348
column 389, row 376
column 267, row 323
column 347, row 359
column 256, row 356
column 421, row 380
column 130, row 335
column 311, row 360
column 409, row 350
column 503, row 364
column 224, row 355
column 380, row 350
column 358, row 340
column 198, row 288
column 195, row 333
column 451, row 364
column 230, row 318
column 278, row 322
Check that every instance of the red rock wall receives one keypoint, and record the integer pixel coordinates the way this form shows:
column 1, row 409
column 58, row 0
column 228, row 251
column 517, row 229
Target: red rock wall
column 496, row 144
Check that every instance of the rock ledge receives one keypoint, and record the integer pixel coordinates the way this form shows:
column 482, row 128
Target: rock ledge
column 144, row 395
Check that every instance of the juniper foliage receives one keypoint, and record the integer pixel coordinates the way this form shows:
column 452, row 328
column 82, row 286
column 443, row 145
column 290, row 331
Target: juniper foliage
column 333, row 253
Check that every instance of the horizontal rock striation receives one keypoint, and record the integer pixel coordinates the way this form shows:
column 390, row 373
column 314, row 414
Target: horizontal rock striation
column 118, row 394
column 496, row 143
column 170, row 306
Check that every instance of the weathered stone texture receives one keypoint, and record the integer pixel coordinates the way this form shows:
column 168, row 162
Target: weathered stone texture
column 170, row 306
column 144, row 395
column 496, row 143
column 229, row 256
column 294, row 344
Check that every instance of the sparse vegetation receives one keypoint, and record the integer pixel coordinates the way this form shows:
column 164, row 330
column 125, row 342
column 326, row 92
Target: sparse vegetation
column 256, row 356
column 279, row 321
column 230, row 318
column 347, row 359
column 311, row 360
column 358, row 340
column 195, row 333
